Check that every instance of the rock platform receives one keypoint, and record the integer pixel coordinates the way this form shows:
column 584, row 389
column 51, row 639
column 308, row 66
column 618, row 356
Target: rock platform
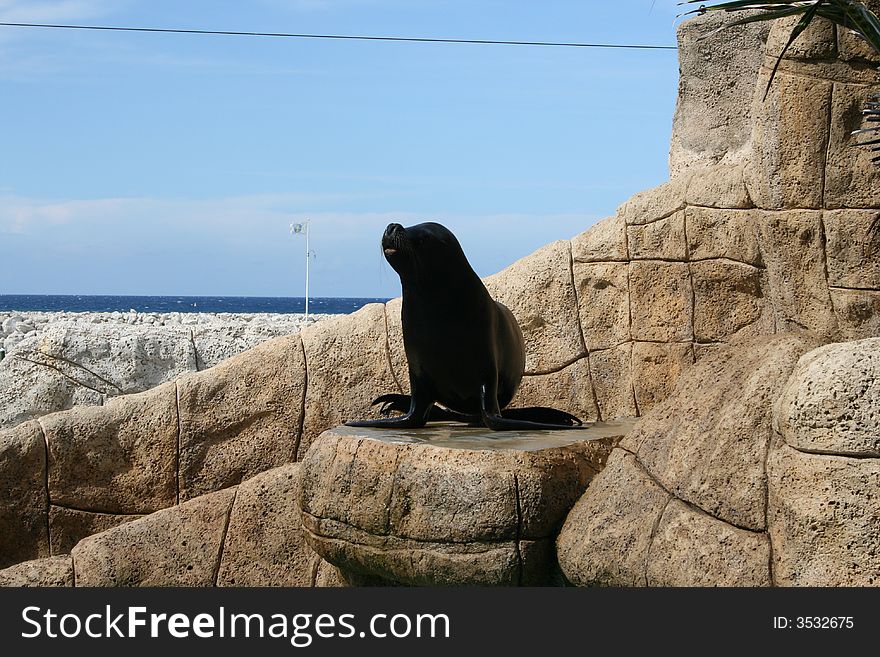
column 447, row 504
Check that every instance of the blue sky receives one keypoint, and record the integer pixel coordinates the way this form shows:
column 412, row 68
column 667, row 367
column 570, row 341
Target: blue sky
column 165, row 164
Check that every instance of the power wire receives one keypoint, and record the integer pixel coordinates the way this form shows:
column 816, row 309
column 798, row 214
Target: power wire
column 108, row 28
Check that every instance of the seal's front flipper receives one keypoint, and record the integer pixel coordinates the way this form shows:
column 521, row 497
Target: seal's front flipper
column 542, row 415
column 417, row 411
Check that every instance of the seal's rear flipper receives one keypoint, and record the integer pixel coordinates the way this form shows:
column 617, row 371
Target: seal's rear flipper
column 401, row 403
column 543, row 415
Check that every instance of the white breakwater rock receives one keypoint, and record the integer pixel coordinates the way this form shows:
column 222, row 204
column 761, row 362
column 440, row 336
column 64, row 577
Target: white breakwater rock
column 56, row 360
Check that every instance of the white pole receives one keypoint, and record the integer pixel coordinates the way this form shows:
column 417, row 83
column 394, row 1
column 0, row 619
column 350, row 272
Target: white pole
column 307, row 268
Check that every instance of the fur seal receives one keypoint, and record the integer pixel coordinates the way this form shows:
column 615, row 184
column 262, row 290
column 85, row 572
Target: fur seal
column 465, row 350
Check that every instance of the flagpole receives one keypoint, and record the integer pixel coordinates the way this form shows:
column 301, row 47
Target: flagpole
column 308, row 257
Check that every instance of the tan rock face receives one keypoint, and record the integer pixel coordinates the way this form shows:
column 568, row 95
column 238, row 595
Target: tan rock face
column 663, row 239
column 719, row 187
column 726, row 234
column 707, row 443
column 396, row 351
column 419, row 513
column 851, row 248
column 348, row 365
column 606, row 537
column 729, row 300
column 713, row 116
column 540, row 293
column 174, row 547
column 857, row 312
column 831, row 404
column 604, row 242
column 852, row 180
column 691, row 548
column 52, row 571
column 662, row 301
column 824, row 519
column 789, row 142
column 604, row 303
column 612, row 374
column 23, row 500
column 68, row 527
column 655, row 204
column 117, row 458
column 264, row 543
column 792, row 248
column 242, row 417
column 569, row 389
column 656, row 370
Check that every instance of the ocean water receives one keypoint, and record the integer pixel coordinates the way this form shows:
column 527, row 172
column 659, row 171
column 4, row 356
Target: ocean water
column 86, row 303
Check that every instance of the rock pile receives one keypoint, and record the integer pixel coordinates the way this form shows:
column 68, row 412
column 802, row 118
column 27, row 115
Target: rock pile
column 55, row 361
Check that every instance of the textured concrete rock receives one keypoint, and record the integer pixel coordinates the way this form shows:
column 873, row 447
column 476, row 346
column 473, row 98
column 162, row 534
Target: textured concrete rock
column 851, row 249
column 118, row 359
column 604, row 242
column 424, row 514
column 328, row 576
column 612, row 375
column 857, row 313
column 691, row 548
column 719, row 186
column 656, row 369
column 23, row 501
column 180, row 546
column 661, row 295
column 851, row 179
column 603, row 302
column 264, row 543
column 29, row 388
column 663, row 239
column 214, row 344
column 120, row 458
column 789, row 142
column 570, row 389
column 348, row 367
column 727, row 234
column 241, row 417
column 818, row 41
column 824, row 515
column 52, row 571
column 707, row 443
column 540, row 293
column 606, row 536
column 792, row 244
column 713, row 116
column 729, row 300
column 67, row 527
column 831, row 404
column 396, row 351
column 655, row 204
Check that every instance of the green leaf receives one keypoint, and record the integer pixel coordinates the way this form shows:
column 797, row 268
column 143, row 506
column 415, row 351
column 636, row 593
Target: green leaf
column 808, row 16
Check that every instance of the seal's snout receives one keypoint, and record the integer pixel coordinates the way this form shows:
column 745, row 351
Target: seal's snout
column 392, row 239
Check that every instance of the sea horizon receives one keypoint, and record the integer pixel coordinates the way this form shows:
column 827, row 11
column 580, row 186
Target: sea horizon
column 181, row 303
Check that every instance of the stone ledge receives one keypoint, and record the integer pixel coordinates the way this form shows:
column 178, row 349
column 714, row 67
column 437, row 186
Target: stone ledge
column 444, row 504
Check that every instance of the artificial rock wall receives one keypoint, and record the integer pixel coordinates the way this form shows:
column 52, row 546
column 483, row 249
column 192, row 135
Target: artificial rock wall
column 762, row 229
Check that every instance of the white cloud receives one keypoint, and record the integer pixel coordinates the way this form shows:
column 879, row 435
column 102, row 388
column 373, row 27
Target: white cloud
column 236, row 245
column 52, row 11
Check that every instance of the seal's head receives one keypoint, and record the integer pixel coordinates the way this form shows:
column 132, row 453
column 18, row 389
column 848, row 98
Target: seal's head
column 423, row 252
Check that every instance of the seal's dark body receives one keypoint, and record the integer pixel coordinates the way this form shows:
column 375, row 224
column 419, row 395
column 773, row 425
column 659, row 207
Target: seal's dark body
column 465, row 350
